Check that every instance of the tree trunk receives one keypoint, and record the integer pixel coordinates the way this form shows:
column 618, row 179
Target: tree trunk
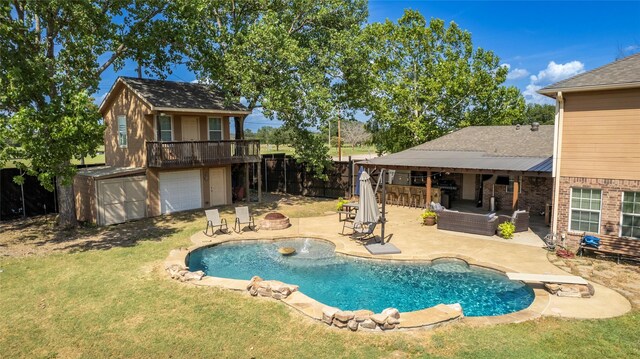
column 239, row 125
column 66, row 205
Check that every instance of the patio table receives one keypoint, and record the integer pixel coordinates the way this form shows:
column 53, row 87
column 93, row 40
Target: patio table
column 349, row 211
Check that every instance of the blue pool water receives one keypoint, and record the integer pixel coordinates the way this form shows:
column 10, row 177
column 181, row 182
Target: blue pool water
column 351, row 283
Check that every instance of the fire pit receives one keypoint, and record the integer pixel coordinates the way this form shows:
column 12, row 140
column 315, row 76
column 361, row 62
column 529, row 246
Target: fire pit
column 275, row 220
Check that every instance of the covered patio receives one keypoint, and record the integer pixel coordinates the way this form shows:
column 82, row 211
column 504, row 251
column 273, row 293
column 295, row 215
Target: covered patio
column 478, row 169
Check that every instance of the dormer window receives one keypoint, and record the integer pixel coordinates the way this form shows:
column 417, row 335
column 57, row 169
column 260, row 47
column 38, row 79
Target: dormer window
column 122, row 131
column 164, row 128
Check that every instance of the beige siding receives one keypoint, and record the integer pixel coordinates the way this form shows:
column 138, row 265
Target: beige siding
column 139, row 128
column 601, row 135
column 203, row 123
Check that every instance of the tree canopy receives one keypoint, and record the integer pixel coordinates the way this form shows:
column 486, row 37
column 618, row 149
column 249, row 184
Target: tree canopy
column 543, row 114
column 426, row 79
column 286, row 56
column 53, row 53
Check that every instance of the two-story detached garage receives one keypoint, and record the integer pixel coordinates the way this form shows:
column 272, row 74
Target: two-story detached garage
column 167, row 149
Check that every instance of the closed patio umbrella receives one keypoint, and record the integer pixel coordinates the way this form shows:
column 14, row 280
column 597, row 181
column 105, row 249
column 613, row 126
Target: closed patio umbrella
column 368, row 211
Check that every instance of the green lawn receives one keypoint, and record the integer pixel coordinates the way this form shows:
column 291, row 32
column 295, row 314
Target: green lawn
column 105, row 301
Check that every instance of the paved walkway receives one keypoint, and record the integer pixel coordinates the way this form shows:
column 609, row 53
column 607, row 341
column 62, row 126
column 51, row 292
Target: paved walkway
column 522, row 254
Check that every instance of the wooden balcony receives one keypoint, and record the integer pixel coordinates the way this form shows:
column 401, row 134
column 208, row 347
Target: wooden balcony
column 182, row 154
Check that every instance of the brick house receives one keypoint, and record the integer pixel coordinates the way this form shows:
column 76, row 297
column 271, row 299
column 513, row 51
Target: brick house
column 596, row 165
column 470, row 166
column 167, row 149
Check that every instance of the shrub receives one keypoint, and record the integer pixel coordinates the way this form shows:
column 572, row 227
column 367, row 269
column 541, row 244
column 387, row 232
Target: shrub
column 427, row 214
column 507, row 229
column 341, row 201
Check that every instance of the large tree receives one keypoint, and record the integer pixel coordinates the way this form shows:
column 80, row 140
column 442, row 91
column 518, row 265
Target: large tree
column 287, row 56
column 543, row 114
column 53, row 53
column 426, row 79
column 354, row 133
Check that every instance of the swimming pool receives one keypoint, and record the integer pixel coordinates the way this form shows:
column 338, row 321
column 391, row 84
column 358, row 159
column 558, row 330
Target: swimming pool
column 351, row 283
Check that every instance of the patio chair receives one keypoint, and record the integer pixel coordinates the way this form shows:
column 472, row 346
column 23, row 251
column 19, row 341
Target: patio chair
column 363, row 231
column 243, row 217
column 213, row 221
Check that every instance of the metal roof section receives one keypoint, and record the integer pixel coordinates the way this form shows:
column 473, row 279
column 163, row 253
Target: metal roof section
column 110, row 172
column 462, row 160
column 623, row 73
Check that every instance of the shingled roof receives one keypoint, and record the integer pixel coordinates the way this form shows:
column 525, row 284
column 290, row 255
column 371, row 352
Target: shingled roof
column 624, row 73
column 165, row 95
column 492, row 148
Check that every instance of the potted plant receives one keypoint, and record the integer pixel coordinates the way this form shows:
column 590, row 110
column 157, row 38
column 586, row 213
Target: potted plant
column 506, row 230
column 341, row 202
column 429, row 218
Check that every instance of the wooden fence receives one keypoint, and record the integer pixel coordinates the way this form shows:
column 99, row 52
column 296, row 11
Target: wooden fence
column 283, row 174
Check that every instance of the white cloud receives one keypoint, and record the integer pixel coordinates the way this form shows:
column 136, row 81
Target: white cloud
column 532, row 96
column 557, row 72
column 516, row 74
column 553, row 73
column 631, row 48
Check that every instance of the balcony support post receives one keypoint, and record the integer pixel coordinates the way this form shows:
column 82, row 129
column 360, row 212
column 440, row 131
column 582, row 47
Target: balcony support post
column 259, row 181
column 246, row 182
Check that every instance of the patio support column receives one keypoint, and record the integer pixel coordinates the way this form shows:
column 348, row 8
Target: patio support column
column 516, row 190
column 427, row 200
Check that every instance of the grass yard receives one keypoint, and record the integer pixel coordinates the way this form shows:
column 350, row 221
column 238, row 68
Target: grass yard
column 102, row 292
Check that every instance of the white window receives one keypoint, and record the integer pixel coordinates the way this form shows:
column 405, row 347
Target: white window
column 215, row 129
column 512, row 179
column 122, row 131
column 164, row 128
column 585, row 210
column 630, row 215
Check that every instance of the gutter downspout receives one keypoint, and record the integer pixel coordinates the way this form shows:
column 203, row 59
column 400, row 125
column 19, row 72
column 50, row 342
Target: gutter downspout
column 557, row 150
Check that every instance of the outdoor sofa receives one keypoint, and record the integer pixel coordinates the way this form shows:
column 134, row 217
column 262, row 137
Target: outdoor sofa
column 467, row 222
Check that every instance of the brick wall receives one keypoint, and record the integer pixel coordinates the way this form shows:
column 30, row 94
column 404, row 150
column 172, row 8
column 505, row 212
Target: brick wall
column 611, row 204
column 536, row 192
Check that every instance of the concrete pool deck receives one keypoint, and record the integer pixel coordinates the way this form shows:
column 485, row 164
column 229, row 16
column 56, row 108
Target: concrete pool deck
column 524, row 254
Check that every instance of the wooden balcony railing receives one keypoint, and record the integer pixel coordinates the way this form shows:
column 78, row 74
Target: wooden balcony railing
column 178, row 154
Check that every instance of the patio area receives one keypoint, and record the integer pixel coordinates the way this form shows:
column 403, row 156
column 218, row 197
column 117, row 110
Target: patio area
column 524, row 253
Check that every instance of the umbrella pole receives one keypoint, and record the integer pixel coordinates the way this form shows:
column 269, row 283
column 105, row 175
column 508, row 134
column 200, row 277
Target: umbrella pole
column 384, row 201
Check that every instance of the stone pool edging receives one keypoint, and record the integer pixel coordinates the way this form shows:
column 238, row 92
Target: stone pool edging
column 428, row 318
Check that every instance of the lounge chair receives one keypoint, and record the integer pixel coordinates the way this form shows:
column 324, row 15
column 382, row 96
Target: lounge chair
column 213, row 221
column 243, row 217
column 363, row 231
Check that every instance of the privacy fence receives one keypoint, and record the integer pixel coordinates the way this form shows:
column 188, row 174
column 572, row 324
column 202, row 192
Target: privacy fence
column 284, row 174
column 26, row 200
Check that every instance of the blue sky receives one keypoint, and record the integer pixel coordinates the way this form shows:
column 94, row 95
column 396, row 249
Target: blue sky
column 542, row 42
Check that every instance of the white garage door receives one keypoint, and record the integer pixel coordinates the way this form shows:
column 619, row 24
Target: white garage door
column 180, row 191
column 121, row 199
